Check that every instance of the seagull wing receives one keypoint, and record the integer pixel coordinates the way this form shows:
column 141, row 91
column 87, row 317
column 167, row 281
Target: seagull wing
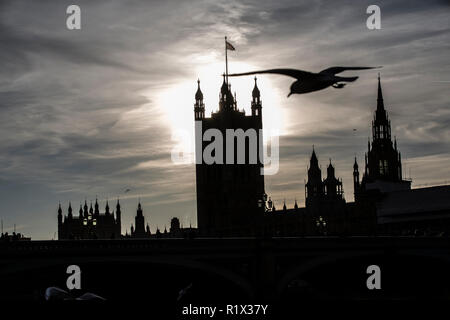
column 55, row 293
column 91, row 297
column 335, row 70
column 294, row 73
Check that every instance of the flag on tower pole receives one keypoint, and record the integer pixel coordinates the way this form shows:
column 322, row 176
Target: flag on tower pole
column 228, row 46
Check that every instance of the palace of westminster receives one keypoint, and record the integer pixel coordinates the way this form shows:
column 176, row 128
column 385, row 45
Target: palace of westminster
column 231, row 200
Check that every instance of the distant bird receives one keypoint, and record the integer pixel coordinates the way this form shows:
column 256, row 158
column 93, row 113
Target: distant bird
column 127, row 190
column 309, row 81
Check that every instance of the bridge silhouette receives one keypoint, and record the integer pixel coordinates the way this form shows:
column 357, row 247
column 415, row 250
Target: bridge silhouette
column 231, row 269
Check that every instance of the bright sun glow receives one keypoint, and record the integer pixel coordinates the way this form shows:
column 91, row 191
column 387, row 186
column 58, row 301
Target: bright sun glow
column 177, row 101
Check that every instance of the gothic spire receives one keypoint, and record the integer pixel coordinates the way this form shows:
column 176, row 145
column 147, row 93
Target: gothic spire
column 226, row 97
column 70, row 209
column 199, row 106
column 198, row 94
column 256, row 101
column 380, row 102
column 97, row 211
column 139, row 209
column 255, row 92
column 381, row 127
column 224, row 88
column 118, row 212
column 330, row 171
column 313, row 160
column 60, row 217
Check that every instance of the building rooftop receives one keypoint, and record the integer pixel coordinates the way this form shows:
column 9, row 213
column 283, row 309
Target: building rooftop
column 415, row 204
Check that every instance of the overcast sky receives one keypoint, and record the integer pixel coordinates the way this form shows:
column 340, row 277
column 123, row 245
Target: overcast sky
column 92, row 112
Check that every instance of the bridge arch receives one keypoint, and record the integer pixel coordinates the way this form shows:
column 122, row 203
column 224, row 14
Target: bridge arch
column 188, row 266
column 308, row 265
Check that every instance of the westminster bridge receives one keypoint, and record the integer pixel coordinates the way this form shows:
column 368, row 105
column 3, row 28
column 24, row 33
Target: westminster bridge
column 231, row 269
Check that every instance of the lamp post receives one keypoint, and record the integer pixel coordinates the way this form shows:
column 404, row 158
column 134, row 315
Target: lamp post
column 260, row 203
column 321, row 225
column 269, row 205
column 264, row 208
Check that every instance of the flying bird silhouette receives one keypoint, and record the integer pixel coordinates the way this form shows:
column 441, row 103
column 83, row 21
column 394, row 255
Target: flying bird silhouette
column 310, row 81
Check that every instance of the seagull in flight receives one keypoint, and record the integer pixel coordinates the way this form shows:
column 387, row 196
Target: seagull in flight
column 310, row 81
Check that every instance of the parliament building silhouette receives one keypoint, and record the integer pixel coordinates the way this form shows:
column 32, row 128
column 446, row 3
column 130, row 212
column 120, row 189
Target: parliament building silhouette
column 92, row 224
column 231, row 199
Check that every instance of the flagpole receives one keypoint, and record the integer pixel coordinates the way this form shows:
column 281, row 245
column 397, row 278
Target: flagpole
column 226, row 60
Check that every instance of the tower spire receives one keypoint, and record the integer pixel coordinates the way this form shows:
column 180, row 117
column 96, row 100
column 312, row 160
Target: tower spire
column 199, row 106
column 255, row 92
column 97, row 211
column 313, row 160
column 199, row 93
column 380, row 102
column 382, row 158
column 70, row 210
column 314, row 186
column 59, row 216
column 256, row 100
